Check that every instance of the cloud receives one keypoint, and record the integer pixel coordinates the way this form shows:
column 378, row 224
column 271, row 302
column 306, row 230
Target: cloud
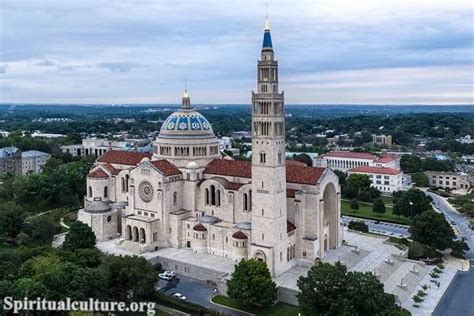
column 119, row 67
column 151, row 46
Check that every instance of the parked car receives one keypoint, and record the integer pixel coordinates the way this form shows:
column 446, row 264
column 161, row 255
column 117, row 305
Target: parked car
column 170, row 273
column 179, row 296
column 453, row 222
column 165, row 276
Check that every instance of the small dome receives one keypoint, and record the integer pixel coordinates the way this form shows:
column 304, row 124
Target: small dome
column 97, row 206
column 244, row 225
column 192, row 165
column 208, row 219
column 200, row 228
column 145, row 159
column 186, row 123
column 239, row 235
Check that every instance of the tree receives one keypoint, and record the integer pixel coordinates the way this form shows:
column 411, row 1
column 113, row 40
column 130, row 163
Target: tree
column 41, row 229
column 350, row 191
column 360, row 181
column 411, row 203
column 411, row 163
column 379, row 206
column 251, row 283
column 129, row 273
column 342, row 176
column 332, row 290
column 80, row 236
column 354, row 204
column 420, row 179
column 12, row 219
column 365, row 196
column 431, row 228
column 304, row 158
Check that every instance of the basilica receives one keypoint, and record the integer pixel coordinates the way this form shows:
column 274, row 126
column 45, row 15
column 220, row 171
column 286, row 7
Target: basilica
column 188, row 195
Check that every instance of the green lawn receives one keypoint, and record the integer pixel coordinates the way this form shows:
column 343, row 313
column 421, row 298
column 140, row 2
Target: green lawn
column 365, row 211
column 280, row 309
column 387, row 199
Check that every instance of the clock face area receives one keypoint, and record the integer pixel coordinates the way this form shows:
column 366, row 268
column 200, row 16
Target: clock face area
column 145, row 189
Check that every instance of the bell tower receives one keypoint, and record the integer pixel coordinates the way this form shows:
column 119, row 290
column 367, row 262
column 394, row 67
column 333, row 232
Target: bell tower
column 269, row 216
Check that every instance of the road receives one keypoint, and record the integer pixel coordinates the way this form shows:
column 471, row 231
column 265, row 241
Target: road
column 458, row 299
column 382, row 228
column 460, row 220
column 195, row 291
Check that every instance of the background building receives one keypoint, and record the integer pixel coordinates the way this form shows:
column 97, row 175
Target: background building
column 346, row 160
column 449, row 180
column 10, row 161
column 386, row 180
column 32, row 161
column 384, row 140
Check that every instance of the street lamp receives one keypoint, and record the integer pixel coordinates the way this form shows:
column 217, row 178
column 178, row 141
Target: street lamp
column 411, row 209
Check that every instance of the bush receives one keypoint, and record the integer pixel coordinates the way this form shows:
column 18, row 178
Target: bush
column 358, row 225
column 354, row 204
column 379, row 206
column 415, row 251
column 417, row 299
column 434, row 275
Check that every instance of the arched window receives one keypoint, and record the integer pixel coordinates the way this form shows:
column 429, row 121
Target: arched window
column 263, row 157
column 175, row 198
column 90, row 191
column 279, row 158
column 106, row 192
column 207, row 196
column 123, row 184
column 213, row 195
column 246, row 206
column 218, row 200
column 127, row 177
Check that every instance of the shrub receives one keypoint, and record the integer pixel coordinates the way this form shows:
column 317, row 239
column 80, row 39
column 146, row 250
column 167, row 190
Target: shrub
column 417, row 299
column 416, row 251
column 358, row 225
column 354, row 204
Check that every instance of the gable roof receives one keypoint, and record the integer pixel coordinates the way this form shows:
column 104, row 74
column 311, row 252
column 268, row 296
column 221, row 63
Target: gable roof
column 166, row 167
column 386, row 158
column 98, row 173
column 375, row 170
column 111, row 168
column 350, row 154
column 243, row 169
column 122, row 157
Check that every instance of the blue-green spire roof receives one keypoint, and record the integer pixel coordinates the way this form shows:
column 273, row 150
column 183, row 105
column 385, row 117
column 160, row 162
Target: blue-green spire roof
column 267, row 40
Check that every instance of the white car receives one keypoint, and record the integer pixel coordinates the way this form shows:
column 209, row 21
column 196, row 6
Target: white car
column 165, row 276
column 179, row 296
column 170, row 273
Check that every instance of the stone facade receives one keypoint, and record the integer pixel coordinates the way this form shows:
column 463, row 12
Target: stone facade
column 448, row 180
column 10, row 161
column 186, row 195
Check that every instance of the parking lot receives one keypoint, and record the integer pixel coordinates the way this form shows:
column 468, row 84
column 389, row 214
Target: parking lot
column 381, row 228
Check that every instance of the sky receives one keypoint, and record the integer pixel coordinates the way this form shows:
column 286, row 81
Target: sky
column 329, row 51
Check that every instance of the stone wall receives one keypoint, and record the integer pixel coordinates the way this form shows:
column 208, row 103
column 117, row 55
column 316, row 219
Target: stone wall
column 287, row 295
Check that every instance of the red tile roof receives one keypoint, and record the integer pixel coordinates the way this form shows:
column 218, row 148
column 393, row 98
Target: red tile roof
column 239, row 235
column 290, row 227
column 98, row 173
column 386, row 159
column 232, row 168
column 243, row 169
column 200, row 228
column 350, row 154
column 303, row 174
column 121, row 157
column 111, row 168
column 375, row 170
column 291, row 193
column 166, row 167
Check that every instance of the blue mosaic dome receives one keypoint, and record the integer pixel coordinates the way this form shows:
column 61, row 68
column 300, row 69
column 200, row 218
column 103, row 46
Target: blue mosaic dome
column 186, row 123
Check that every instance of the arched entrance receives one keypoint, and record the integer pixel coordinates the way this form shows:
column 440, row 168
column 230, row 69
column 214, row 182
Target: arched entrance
column 260, row 256
column 128, row 232
column 135, row 234
column 142, row 236
column 330, row 217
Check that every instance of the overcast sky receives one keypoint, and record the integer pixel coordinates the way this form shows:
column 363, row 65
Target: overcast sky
column 329, row 51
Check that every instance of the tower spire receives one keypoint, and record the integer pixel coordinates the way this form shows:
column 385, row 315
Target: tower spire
column 267, row 23
column 186, row 100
